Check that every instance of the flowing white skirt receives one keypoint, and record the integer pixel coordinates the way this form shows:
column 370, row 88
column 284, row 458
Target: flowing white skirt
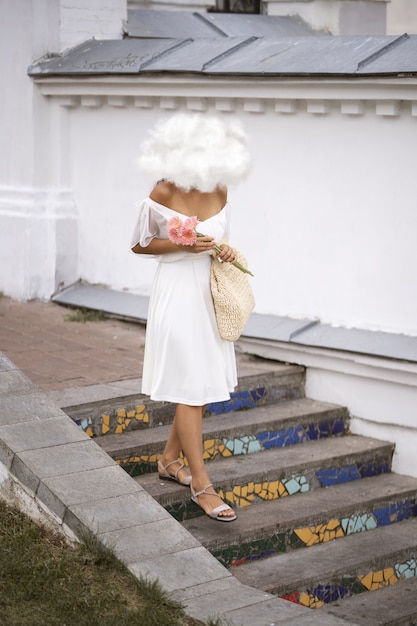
column 186, row 361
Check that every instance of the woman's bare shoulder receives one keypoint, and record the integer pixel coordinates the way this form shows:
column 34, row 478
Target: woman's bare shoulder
column 162, row 192
column 222, row 194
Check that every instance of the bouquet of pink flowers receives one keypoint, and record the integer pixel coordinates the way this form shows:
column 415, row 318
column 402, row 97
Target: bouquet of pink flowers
column 183, row 233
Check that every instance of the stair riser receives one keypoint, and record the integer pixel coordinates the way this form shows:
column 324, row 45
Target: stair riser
column 259, row 488
column 128, row 413
column 263, row 544
column 377, row 575
column 237, row 442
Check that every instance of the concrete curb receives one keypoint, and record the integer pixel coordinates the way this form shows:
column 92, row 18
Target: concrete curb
column 56, row 472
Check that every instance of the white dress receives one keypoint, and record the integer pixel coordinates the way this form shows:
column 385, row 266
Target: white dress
column 185, row 360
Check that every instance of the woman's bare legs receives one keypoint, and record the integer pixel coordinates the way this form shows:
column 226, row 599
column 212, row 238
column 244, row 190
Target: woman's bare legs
column 172, row 451
column 187, row 432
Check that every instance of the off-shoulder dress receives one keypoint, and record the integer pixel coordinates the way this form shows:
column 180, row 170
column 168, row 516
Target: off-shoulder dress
column 185, row 361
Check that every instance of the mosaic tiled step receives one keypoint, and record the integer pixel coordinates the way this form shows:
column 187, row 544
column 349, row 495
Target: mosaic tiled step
column 261, row 382
column 256, row 478
column 235, row 434
column 331, row 571
column 308, row 519
column 394, row 605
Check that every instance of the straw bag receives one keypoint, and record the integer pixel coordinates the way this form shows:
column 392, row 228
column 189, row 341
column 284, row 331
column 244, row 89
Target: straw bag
column 232, row 297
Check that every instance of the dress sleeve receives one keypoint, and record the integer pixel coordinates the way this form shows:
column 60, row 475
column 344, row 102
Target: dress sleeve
column 146, row 227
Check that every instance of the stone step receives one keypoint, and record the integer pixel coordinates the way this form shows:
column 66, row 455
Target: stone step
column 234, row 434
column 261, row 382
column 330, row 571
column 390, row 606
column 247, row 479
column 308, row 519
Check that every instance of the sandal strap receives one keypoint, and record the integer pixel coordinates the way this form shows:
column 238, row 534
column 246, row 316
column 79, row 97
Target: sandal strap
column 199, row 493
column 172, row 463
column 219, row 509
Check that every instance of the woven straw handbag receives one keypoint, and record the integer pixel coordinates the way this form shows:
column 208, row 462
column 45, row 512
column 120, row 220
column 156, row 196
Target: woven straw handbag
column 232, row 297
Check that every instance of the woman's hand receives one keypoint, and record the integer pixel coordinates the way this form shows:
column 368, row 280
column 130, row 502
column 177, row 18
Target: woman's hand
column 202, row 244
column 227, row 254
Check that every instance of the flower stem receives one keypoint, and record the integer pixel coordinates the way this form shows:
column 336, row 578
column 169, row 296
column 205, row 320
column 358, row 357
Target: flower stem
column 235, row 263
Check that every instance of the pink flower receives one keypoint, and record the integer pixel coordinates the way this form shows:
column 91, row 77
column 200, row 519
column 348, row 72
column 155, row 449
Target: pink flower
column 183, row 233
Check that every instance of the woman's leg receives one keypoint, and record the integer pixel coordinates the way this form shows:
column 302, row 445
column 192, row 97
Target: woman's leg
column 172, row 452
column 189, row 431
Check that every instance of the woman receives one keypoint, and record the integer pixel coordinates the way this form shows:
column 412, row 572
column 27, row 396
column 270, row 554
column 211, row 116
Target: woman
column 186, row 362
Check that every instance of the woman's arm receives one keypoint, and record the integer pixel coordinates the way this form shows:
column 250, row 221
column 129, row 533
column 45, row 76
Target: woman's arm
column 162, row 193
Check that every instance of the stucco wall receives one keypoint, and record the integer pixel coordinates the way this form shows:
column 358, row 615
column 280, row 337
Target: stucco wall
column 326, row 217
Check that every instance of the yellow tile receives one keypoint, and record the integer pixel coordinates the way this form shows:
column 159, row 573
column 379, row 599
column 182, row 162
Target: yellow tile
column 307, row 535
column 141, row 408
column 89, row 432
column 381, row 578
column 104, row 429
column 333, row 524
column 118, row 429
column 273, row 488
column 282, row 491
column 106, row 419
column 146, row 418
column 121, row 413
column 310, row 600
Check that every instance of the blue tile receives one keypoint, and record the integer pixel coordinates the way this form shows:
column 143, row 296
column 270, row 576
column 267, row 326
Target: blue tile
column 394, row 513
column 258, row 394
column 284, row 437
column 374, row 469
column 337, row 475
column 312, row 432
column 329, row 593
column 338, row 427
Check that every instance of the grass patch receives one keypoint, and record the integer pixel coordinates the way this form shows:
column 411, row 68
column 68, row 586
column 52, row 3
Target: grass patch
column 85, row 315
column 46, row 582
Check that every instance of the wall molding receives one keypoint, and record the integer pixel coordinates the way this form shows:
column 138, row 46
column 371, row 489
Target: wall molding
column 382, row 97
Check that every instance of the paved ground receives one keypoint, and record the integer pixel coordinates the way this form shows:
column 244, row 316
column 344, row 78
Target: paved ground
column 59, row 354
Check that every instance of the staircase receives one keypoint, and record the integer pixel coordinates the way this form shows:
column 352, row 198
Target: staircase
column 344, row 542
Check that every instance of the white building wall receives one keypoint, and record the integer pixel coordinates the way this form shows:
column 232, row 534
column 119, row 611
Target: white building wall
column 327, row 217
column 338, row 17
column 401, row 17
column 172, row 5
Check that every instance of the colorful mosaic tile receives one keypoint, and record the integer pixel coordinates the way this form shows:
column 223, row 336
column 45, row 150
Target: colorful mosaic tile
column 299, row 537
column 124, row 418
column 396, row 512
column 375, row 468
column 320, row 533
column 252, row 550
column 139, row 465
column 407, row 569
column 337, row 475
column 86, row 425
column 349, row 585
column 378, row 579
column 238, row 400
column 358, row 523
column 284, row 437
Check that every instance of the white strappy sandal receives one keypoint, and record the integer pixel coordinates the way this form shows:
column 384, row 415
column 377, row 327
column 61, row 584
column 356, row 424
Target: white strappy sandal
column 215, row 512
column 165, row 475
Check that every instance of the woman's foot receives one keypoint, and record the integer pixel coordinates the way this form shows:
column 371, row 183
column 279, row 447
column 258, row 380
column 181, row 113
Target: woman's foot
column 212, row 504
column 175, row 471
